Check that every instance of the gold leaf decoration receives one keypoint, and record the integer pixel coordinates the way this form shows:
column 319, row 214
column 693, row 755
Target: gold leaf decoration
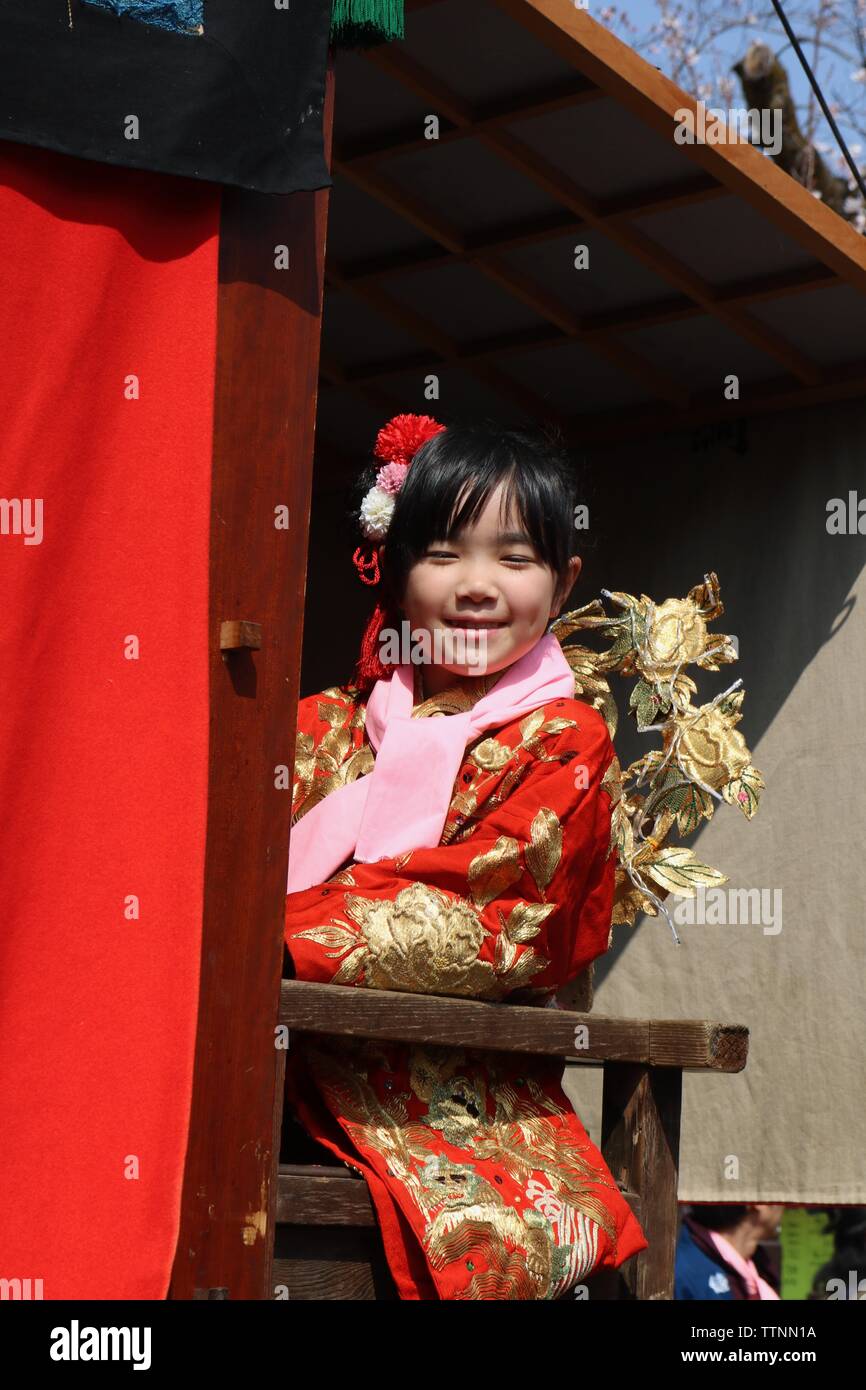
column 528, row 965
column 556, row 726
column 336, row 938
column 505, row 952
column 321, row 769
column 745, row 791
column 344, row 877
column 333, row 748
column 491, row 873
column 524, row 920
column 544, row 850
column 531, row 724
column 677, row 870
column 331, row 713
column 352, row 966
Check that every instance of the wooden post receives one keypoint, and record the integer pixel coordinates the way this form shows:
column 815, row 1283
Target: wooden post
column 640, row 1140
column 269, row 323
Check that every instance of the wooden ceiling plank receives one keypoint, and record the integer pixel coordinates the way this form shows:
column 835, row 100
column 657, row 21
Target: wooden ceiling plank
column 654, row 314
column 546, row 227
column 529, row 106
column 434, row 226
column 403, row 68
column 562, row 189
column 411, row 209
column 447, row 350
column 393, row 309
column 632, row 240
column 547, row 306
column 784, row 282
column 498, row 345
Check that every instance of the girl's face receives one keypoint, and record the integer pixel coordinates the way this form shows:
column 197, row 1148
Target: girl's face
column 489, row 594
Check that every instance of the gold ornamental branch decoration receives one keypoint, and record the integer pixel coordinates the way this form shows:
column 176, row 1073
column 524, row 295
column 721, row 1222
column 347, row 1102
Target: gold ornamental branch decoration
column 703, row 759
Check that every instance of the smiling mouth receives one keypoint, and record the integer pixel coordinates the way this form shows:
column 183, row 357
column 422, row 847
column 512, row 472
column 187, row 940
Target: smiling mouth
column 482, row 624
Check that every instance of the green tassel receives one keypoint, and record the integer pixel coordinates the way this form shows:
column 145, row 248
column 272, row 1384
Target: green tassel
column 363, row 23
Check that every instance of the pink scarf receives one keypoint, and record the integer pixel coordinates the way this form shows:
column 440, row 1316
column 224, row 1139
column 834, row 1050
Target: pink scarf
column 403, row 802
column 746, row 1269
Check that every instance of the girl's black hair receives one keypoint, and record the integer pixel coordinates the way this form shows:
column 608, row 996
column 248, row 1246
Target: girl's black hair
column 539, row 482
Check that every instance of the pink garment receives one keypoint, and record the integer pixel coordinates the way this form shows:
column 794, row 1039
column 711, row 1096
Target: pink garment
column 403, row 802
column 745, row 1268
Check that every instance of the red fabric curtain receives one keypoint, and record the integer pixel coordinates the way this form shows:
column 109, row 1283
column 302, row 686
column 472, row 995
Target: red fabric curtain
column 107, row 346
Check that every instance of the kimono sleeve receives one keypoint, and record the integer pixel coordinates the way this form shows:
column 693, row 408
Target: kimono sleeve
column 525, row 901
column 328, row 747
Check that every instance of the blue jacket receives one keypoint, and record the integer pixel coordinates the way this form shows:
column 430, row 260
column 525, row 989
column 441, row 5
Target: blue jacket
column 700, row 1271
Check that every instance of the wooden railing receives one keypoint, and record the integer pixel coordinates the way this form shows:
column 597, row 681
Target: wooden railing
column 327, row 1244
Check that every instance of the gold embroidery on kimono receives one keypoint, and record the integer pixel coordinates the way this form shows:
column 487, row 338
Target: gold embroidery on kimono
column 422, row 941
column 533, row 1253
column 339, row 758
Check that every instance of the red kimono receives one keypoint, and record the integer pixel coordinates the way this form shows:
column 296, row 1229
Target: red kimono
column 485, row 1183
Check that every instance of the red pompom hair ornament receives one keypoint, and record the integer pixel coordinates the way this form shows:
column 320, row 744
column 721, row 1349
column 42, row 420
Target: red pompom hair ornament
column 402, row 437
column 396, row 445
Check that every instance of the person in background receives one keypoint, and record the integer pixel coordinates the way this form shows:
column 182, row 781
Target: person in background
column 718, row 1251
column 843, row 1276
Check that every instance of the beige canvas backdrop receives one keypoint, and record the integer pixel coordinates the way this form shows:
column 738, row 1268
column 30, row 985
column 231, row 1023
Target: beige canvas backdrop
column 750, row 501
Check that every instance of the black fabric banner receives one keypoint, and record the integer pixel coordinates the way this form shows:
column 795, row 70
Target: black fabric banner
column 239, row 104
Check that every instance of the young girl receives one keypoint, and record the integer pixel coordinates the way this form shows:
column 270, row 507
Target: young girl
column 452, row 836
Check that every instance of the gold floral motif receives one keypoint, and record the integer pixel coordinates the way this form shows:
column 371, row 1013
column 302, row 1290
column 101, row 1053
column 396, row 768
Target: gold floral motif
column 676, row 634
column 491, row 754
column 709, row 749
column 424, row 942
column 458, row 830
column 590, row 685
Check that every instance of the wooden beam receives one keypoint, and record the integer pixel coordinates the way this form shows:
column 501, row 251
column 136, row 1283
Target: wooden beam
column 268, row 332
column 752, row 291
column 310, row 1195
column 695, row 1044
column 406, row 140
column 591, row 49
column 544, row 227
column 670, row 310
